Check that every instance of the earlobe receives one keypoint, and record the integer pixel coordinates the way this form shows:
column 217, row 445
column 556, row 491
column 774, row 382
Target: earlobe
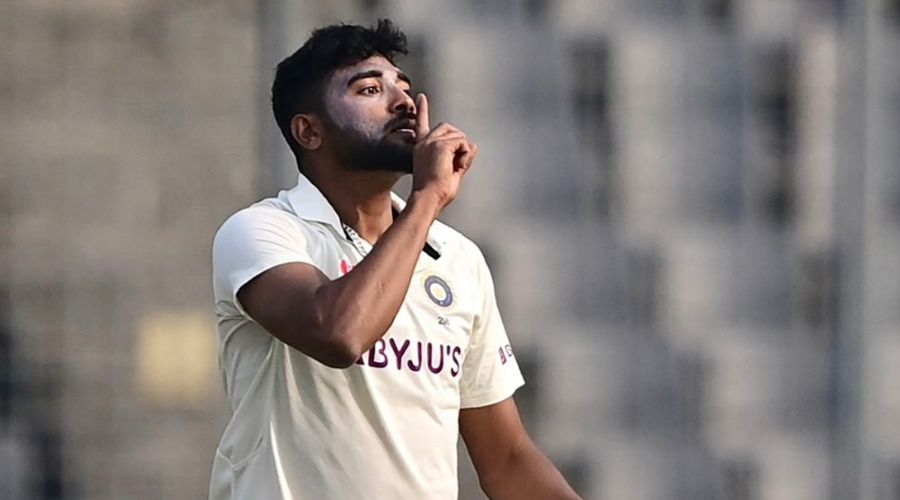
column 306, row 132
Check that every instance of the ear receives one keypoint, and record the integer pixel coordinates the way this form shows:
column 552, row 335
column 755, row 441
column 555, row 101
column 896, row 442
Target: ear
column 307, row 131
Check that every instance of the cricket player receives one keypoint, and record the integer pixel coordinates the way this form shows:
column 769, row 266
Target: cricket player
column 358, row 336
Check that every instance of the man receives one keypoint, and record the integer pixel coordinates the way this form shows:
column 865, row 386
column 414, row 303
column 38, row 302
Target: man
column 358, row 337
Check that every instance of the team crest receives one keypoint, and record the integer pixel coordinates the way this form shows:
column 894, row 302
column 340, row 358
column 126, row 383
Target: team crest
column 438, row 290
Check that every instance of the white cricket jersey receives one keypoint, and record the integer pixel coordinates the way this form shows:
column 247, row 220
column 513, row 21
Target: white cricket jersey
column 387, row 426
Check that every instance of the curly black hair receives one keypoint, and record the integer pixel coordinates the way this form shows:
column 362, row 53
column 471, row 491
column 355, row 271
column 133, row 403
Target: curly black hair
column 300, row 78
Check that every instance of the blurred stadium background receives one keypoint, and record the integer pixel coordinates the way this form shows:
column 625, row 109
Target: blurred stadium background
column 691, row 208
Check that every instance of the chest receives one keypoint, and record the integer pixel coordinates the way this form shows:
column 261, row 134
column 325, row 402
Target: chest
column 429, row 337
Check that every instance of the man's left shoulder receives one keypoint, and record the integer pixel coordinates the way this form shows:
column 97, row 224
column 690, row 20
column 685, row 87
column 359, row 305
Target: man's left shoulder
column 456, row 243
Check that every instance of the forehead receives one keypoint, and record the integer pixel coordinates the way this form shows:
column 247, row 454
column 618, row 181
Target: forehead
column 374, row 63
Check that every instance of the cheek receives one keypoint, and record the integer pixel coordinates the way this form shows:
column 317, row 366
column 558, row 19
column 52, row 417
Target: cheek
column 341, row 114
column 347, row 115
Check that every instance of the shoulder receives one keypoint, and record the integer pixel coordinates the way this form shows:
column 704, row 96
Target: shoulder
column 462, row 248
column 264, row 235
column 265, row 219
column 260, row 237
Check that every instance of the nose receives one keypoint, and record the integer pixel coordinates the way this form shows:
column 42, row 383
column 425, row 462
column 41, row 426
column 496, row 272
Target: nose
column 403, row 102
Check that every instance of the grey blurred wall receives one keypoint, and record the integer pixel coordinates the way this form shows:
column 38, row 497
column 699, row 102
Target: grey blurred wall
column 128, row 132
column 691, row 209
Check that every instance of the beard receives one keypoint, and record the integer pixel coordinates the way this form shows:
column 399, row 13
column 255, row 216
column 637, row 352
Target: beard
column 355, row 151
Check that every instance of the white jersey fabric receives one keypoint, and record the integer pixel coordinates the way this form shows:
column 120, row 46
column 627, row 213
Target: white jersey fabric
column 384, row 428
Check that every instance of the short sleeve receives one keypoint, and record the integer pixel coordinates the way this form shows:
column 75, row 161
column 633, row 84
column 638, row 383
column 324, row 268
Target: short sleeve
column 490, row 372
column 251, row 242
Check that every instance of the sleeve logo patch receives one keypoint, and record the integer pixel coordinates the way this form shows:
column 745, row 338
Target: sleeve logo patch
column 506, row 353
column 438, row 290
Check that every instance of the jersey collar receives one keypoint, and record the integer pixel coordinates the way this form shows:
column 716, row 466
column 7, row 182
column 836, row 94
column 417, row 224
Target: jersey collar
column 309, row 203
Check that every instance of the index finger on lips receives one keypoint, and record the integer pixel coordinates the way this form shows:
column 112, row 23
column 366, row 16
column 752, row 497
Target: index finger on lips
column 422, row 125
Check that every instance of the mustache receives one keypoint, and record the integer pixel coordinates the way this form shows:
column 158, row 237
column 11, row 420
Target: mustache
column 405, row 120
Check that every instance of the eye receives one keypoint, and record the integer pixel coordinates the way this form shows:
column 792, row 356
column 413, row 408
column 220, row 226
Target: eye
column 370, row 90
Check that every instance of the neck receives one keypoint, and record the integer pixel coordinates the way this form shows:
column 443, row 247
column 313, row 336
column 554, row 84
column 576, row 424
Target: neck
column 361, row 199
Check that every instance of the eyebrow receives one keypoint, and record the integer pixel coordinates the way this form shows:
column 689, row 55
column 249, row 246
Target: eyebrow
column 376, row 73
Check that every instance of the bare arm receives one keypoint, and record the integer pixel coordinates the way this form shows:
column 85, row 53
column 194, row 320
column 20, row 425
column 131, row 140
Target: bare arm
column 336, row 321
column 509, row 465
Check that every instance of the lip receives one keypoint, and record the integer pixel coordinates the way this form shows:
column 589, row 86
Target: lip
column 406, row 125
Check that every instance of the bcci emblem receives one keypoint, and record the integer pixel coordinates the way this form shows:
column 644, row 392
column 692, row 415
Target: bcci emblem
column 438, row 291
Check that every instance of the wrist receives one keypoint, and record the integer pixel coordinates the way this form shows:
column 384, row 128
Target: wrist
column 426, row 200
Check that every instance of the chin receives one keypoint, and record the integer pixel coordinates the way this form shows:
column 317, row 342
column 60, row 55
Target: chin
column 399, row 168
column 402, row 141
column 394, row 157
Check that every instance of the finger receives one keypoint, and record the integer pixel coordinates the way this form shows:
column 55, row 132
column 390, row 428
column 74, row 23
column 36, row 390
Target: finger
column 462, row 159
column 473, row 150
column 451, row 142
column 442, row 129
column 453, row 136
column 422, row 125
column 461, row 162
column 458, row 144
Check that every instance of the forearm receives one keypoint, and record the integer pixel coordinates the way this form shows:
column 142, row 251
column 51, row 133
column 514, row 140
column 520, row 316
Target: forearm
column 359, row 307
column 527, row 475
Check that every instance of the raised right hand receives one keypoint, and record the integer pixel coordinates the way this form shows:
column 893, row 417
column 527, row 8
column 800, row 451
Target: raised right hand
column 441, row 157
